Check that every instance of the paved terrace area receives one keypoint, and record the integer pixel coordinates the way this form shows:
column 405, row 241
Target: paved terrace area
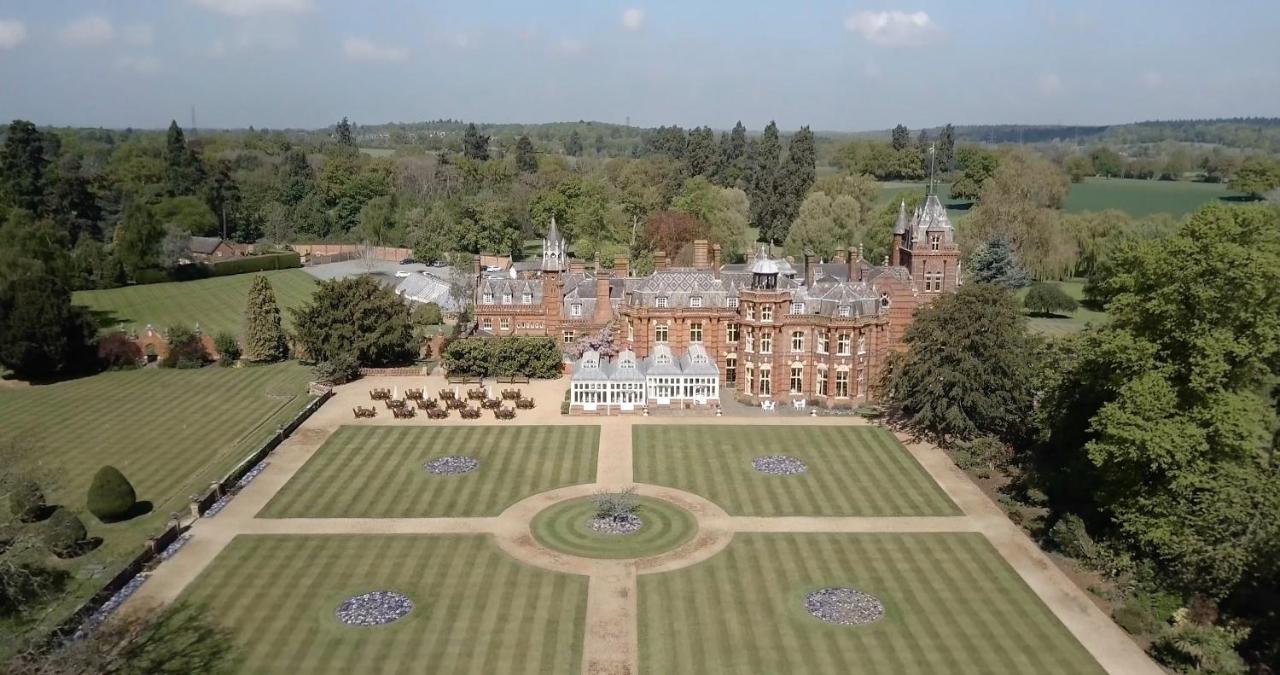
column 611, row 638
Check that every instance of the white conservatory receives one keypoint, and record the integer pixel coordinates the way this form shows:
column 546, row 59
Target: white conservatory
column 628, row 384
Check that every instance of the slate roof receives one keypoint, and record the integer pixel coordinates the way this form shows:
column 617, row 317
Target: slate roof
column 204, row 245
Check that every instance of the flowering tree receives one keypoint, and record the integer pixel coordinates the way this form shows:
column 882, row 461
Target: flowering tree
column 602, row 341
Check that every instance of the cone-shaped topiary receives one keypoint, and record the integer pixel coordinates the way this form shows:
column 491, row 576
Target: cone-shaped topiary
column 111, row 497
column 63, row 533
column 26, row 502
column 264, row 339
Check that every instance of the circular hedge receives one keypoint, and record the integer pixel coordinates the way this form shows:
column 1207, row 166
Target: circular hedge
column 566, row 527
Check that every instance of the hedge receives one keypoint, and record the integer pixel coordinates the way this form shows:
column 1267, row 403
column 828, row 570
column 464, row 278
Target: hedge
column 532, row 357
column 222, row 268
column 111, row 497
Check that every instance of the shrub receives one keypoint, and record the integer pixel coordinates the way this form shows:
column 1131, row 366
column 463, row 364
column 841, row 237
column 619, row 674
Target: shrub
column 1189, row 647
column 228, row 348
column 111, row 497
column 1070, row 537
column 26, row 501
column 428, row 315
column 117, row 352
column 1046, row 299
column 63, row 533
column 983, row 452
column 616, row 505
column 341, row 368
column 186, row 350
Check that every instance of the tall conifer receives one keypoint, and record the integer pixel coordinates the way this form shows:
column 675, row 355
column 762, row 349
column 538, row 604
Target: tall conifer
column 264, row 339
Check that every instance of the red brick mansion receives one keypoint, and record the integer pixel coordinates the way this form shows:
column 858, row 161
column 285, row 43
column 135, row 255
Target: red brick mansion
column 777, row 333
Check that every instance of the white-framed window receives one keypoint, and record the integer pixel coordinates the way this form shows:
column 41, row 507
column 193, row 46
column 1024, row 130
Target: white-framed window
column 842, row 344
column 932, row 282
column 486, row 323
column 695, row 301
column 797, row 308
column 526, row 298
column 842, row 384
column 766, row 312
column 822, row 381
column 504, row 323
column 797, row 379
column 751, row 379
column 730, row 370
column 663, row 359
column 821, row 340
column 797, row 341
column 766, row 343
column 487, row 298
column 862, row 344
column 569, row 336
column 506, row 298
column 766, row 387
column 843, row 310
column 750, row 342
column 660, row 333
column 935, row 242
column 695, row 331
column 575, row 309
column 751, row 312
column 731, row 332
column 733, row 303
column 660, row 301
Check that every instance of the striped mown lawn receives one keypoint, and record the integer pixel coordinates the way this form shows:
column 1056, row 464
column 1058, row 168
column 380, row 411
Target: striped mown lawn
column 476, row 609
column 217, row 304
column 952, row 605
column 377, row 472
column 852, row 471
column 170, row 432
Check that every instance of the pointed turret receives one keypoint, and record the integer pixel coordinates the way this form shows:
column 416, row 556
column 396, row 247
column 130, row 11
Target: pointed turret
column 900, row 227
column 899, row 234
column 554, row 253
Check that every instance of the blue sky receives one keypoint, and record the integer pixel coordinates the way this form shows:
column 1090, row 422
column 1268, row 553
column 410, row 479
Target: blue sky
column 832, row 65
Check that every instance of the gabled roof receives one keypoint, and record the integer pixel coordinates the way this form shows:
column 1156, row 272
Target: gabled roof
column 204, row 245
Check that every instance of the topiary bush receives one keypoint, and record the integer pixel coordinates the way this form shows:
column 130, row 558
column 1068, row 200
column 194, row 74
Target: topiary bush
column 64, row 533
column 26, row 501
column 111, row 497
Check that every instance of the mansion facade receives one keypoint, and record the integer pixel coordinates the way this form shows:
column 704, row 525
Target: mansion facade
column 773, row 331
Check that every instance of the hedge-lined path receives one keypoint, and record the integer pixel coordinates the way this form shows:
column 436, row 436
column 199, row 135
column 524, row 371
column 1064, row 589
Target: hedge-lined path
column 611, row 635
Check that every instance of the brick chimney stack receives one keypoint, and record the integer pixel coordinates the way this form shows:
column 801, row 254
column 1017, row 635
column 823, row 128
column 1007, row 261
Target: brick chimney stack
column 604, row 309
column 622, row 266
column 715, row 259
column 659, row 260
column 810, row 269
column 855, row 265
column 701, row 257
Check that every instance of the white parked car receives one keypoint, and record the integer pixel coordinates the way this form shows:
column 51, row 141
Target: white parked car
column 402, row 274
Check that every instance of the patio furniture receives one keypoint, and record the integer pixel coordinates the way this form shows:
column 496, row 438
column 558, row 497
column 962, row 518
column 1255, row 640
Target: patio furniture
column 504, row 413
column 427, row 403
column 510, row 394
column 437, row 413
column 491, row 403
column 469, row 413
column 524, row 403
column 413, row 394
column 477, row 394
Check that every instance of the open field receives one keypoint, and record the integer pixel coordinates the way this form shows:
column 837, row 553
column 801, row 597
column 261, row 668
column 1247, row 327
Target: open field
column 852, row 471
column 217, row 304
column 951, row 606
column 1143, row 197
column 476, row 609
column 1057, row 326
column 170, row 432
column 377, row 471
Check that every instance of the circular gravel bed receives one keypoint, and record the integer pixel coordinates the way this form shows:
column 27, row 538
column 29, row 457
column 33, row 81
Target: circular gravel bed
column 628, row 524
column 779, row 465
column 374, row 609
column 571, row 527
column 844, row 606
column 452, row 465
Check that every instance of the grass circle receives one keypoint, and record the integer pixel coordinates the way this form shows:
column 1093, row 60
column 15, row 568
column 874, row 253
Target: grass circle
column 565, row 527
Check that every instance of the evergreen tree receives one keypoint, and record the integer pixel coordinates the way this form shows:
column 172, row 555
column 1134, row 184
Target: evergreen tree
column 359, row 317
column 995, row 263
column 42, row 334
column 342, row 134
column 111, row 495
column 969, row 369
column 71, row 202
column 183, row 171
column 264, row 339
column 762, row 179
column 526, row 160
column 298, row 178
column 922, row 147
column 946, row 147
column 474, row 144
column 222, row 194
column 700, row 152
column 901, row 137
column 599, row 144
column 795, row 178
column 573, row 147
column 23, row 162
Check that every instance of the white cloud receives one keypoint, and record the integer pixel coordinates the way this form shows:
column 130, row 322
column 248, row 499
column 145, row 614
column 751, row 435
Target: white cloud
column 633, row 18
column 1050, row 84
column 12, row 33
column 893, row 28
column 255, row 7
column 142, row 65
column 90, row 31
column 1152, row 79
column 138, row 34
column 364, row 49
column 570, row 46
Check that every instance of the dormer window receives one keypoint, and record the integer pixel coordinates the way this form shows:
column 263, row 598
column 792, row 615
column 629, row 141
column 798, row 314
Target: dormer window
column 935, row 242
column 733, row 303
column 699, row 359
column 797, row 308
column 695, row 301
column 884, row 300
column 487, row 298
column 664, row 360
column 660, row 301
column 506, row 298
column 843, row 310
column 526, row 298
column 575, row 309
